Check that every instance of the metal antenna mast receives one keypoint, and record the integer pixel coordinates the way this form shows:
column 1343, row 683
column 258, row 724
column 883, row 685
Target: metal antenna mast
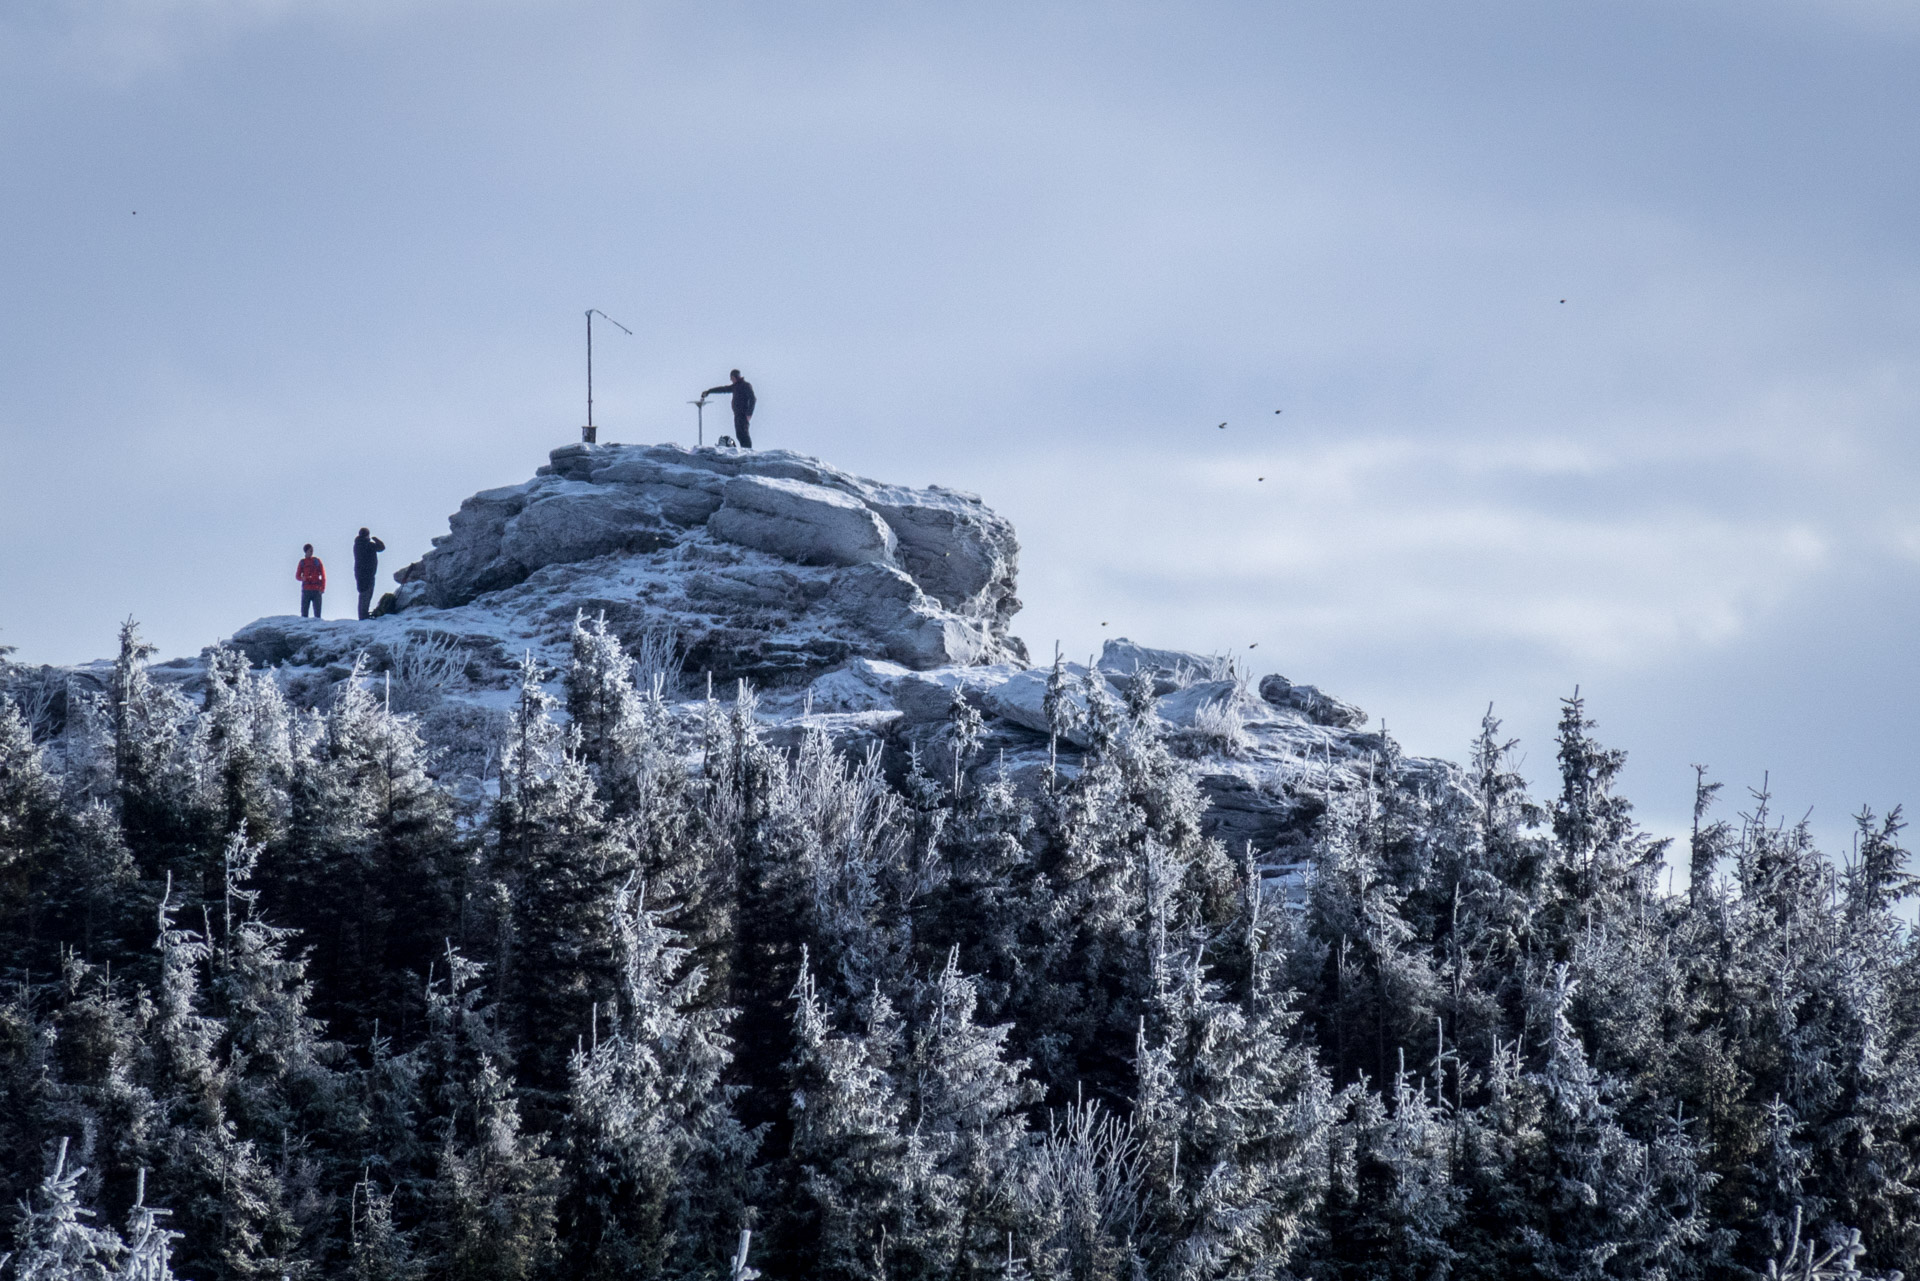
column 588, row 433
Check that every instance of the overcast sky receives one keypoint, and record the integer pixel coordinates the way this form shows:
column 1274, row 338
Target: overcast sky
column 1593, row 323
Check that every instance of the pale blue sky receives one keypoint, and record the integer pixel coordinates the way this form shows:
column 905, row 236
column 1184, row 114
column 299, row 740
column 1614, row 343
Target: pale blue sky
column 1035, row 250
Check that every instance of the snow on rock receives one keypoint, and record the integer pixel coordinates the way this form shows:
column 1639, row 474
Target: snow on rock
column 863, row 685
column 861, row 610
column 925, row 698
column 1022, row 699
column 800, row 522
column 771, row 567
column 580, row 522
column 1170, row 668
column 1182, row 708
column 1321, row 709
column 639, row 498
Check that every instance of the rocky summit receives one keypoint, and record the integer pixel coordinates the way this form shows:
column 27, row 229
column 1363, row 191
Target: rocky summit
column 770, row 567
column 859, row 609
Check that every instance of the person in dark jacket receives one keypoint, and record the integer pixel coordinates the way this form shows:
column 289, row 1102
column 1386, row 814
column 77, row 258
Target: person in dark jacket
column 366, row 566
column 742, row 392
column 313, row 581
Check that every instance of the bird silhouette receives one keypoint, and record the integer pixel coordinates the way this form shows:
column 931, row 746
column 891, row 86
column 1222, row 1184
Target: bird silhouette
column 1223, row 426
column 1261, row 478
column 1279, row 411
column 1255, row 645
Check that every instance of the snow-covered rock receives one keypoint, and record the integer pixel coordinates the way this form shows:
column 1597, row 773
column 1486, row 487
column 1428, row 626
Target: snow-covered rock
column 796, row 521
column 580, row 522
column 1171, row 669
column 863, row 685
column 1321, row 709
column 857, row 609
column 1022, row 699
column 771, row 567
column 1181, row 708
column 643, row 497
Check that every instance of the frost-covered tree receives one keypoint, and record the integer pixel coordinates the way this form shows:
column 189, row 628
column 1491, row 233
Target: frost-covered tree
column 655, row 1160
column 157, row 743
column 1393, row 1208
column 967, row 1134
column 226, row 1188
column 623, row 736
column 53, row 1241
column 489, row 1212
column 29, row 820
column 558, row 865
column 852, row 1167
column 149, row 1242
column 1376, row 990
column 247, row 756
column 373, row 871
column 1233, row 1116
column 1083, row 1192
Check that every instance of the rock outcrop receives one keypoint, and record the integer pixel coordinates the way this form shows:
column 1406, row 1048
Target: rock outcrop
column 770, row 567
column 860, row 609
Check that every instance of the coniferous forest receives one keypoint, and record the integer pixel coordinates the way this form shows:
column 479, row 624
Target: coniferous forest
column 282, row 1000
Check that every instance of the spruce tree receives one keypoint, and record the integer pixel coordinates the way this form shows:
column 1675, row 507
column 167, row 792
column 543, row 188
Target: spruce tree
column 371, row 870
column 29, row 820
column 559, row 866
column 490, row 1206
column 1233, row 1116
column 53, row 1241
column 852, row 1167
column 655, row 1158
column 967, row 1130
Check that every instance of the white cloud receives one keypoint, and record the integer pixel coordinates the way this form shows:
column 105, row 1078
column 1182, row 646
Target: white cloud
column 1411, row 544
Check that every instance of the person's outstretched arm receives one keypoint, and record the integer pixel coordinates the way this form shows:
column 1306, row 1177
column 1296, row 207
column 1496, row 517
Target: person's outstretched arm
column 724, row 389
column 376, row 544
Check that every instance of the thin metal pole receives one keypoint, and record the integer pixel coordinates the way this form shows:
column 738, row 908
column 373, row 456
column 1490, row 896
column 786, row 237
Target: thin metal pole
column 591, row 312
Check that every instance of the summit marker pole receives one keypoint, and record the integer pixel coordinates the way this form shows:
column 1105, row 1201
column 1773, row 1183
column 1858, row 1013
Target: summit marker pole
column 588, row 433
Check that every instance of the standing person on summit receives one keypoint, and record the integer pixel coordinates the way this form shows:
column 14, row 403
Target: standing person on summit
column 366, row 566
column 742, row 392
column 313, row 581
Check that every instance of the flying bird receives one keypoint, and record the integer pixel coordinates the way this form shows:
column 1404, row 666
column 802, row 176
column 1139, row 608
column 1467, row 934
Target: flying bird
column 1260, row 478
column 1223, row 426
column 1255, row 645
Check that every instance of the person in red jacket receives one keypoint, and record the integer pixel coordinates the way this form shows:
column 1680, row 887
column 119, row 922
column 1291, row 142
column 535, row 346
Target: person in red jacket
column 313, row 581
